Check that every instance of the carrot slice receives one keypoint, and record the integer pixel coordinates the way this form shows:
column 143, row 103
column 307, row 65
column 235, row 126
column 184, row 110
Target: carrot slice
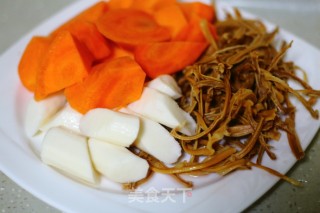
column 131, row 27
column 120, row 4
column 119, row 51
column 193, row 32
column 202, row 10
column 111, row 84
column 30, row 61
column 151, row 6
column 171, row 16
column 88, row 34
column 66, row 62
column 167, row 57
column 92, row 14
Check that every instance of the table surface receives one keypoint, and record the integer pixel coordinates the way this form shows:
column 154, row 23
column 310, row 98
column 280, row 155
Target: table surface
column 299, row 17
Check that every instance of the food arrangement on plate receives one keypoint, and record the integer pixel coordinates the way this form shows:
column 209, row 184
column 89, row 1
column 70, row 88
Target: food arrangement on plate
column 128, row 89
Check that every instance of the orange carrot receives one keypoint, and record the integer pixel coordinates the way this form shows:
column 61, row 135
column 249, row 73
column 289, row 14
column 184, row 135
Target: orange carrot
column 150, row 6
column 119, row 51
column 30, row 61
column 111, row 84
column 126, row 81
column 193, row 32
column 167, row 57
column 202, row 10
column 88, row 34
column 131, row 27
column 126, row 39
column 171, row 16
column 120, row 4
column 92, row 14
column 66, row 62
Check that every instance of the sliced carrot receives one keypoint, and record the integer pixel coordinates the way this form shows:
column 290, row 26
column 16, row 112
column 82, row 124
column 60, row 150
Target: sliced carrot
column 193, row 32
column 119, row 51
column 30, row 61
column 150, row 6
column 88, row 34
column 131, row 27
column 112, row 84
column 167, row 57
column 127, row 39
column 126, row 80
column 204, row 11
column 92, row 14
column 171, row 16
column 120, row 4
column 66, row 62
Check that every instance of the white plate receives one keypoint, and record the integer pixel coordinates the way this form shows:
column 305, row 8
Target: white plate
column 232, row 193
